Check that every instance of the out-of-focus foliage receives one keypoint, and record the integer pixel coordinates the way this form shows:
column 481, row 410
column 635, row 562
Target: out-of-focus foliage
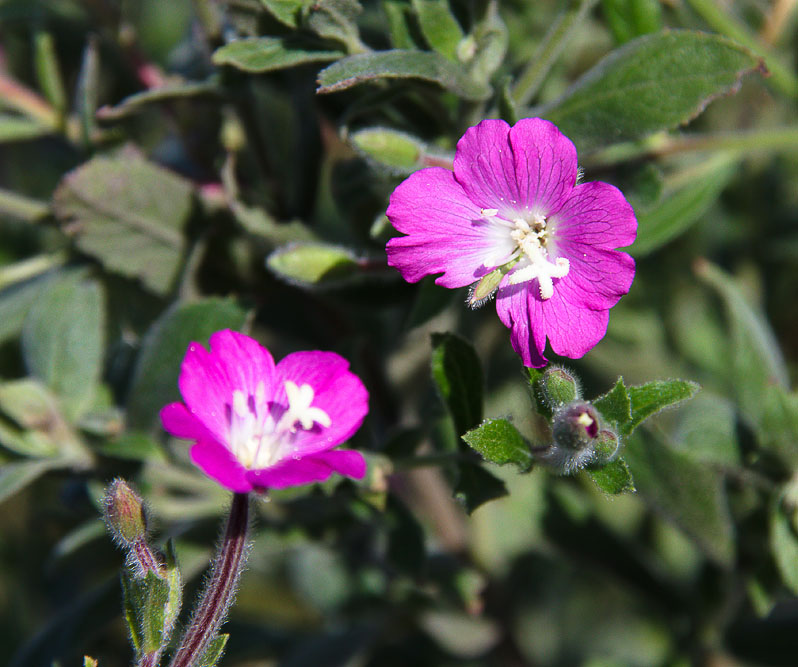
column 168, row 169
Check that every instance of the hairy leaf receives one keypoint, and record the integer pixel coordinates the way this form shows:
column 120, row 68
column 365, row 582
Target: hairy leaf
column 500, row 442
column 266, row 54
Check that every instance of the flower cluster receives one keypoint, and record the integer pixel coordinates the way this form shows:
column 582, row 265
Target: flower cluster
column 257, row 425
column 511, row 218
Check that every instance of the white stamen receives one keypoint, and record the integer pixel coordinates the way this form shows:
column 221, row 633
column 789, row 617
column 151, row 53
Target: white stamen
column 300, row 409
column 489, row 212
column 531, row 241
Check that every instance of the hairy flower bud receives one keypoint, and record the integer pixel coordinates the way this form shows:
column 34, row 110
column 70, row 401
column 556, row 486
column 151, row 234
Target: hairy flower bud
column 559, row 387
column 575, row 426
column 124, row 512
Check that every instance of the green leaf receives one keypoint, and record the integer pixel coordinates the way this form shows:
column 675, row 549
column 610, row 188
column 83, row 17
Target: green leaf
column 613, row 478
column 500, row 442
column 313, row 264
column 48, row 71
column 679, row 209
column 399, row 17
column 166, row 93
column 267, row 54
column 399, row 152
column 489, row 40
column 158, row 365
column 133, row 446
column 88, row 88
column 214, row 651
column 145, row 600
column 615, row 406
column 778, row 426
column 756, row 360
column 21, row 128
column 458, row 375
column 477, row 486
column 632, row 18
column 128, row 213
column 399, row 64
column 63, row 342
column 174, row 599
column 89, row 662
column 336, row 20
column 439, row 26
column 688, row 493
column 784, row 545
column 652, row 397
column 17, row 475
column 708, row 430
column 286, row 11
column 623, row 97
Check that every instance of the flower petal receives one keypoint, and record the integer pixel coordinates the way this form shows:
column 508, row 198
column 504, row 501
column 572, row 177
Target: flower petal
column 527, row 168
column 527, row 337
column 218, row 462
column 336, row 391
column 178, row 421
column 595, row 214
column 314, row 468
column 597, row 278
column 447, row 232
column 208, row 379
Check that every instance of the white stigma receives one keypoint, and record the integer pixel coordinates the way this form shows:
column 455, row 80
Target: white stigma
column 256, row 439
column 531, row 240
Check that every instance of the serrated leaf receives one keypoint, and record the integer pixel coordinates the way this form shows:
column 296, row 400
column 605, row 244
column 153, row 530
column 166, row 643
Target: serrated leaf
column 63, row 342
column 784, row 545
column 267, row 54
column 613, row 478
column 129, row 213
column 688, row 493
column 286, row 11
column 653, row 83
column 457, row 372
column 439, row 26
column 652, row 397
column 615, row 405
column 163, row 348
column 401, row 64
column 399, row 152
column 313, row 264
column 678, row 210
column 166, row 93
column 214, row 651
column 476, row 486
column 498, row 441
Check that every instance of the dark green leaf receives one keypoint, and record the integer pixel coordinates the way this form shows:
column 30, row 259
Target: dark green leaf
column 784, row 544
column 688, row 493
column 623, row 97
column 439, row 26
column 133, row 446
column 500, row 442
column 613, row 478
column 679, row 209
column 168, row 92
column 648, row 399
column 286, row 11
column 63, row 342
column 214, row 651
column 311, row 264
column 458, row 375
column 267, row 54
column 708, row 430
column 615, row 405
column 158, row 365
column 336, row 20
column 477, row 486
column 632, row 18
column 430, row 300
column 129, row 213
column 398, row 64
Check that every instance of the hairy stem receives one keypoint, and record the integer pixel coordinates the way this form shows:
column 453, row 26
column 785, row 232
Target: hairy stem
column 220, row 590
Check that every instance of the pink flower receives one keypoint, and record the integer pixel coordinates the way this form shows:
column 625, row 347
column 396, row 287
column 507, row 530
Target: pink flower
column 258, row 426
column 512, row 208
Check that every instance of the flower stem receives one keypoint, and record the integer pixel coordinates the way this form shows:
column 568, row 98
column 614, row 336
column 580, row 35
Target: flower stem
column 220, row 591
column 550, row 48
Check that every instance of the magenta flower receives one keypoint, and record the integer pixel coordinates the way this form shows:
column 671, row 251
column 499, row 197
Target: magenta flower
column 511, row 216
column 258, row 426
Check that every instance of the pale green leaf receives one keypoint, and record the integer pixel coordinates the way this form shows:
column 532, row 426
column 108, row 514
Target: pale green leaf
column 267, row 54
column 313, row 264
column 439, row 26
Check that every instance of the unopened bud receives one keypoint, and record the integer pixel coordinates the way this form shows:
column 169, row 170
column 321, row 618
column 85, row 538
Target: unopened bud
column 605, row 447
column 575, row 426
column 559, row 387
column 124, row 512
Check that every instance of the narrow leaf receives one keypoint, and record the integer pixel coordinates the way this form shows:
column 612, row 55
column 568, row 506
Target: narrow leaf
column 48, row 72
column 267, row 54
column 458, row 375
column 129, row 213
column 399, row 64
column 653, row 83
column 17, row 475
column 500, row 442
column 652, row 397
column 214, row 651
column 439, row 26
column 20, row 128
column 169, row 92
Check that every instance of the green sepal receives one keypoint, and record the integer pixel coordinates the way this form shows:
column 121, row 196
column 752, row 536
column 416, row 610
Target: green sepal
column 145, row 602
column 538, row 392
column 174, row 579
column 213, row 652
column 498, row 441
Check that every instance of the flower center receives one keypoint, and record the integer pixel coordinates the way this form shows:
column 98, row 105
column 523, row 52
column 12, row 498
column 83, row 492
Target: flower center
column 531, row 238
column 261, row 433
